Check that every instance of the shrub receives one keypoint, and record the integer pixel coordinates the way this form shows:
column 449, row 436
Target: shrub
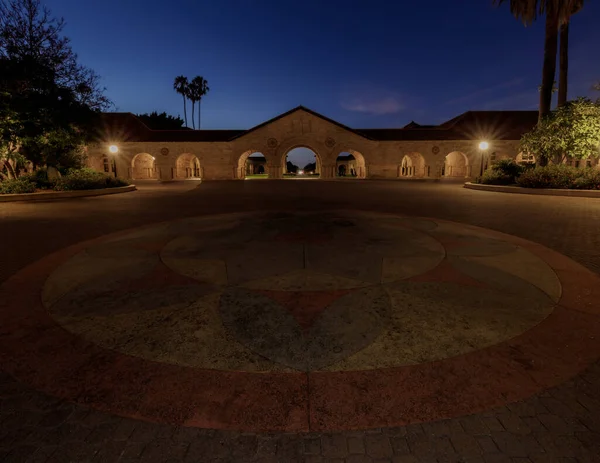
column 508, row 167
column 495, row 177
column 552, row 176
column 87, row 179
column 40, row 178
column 588, row 180
column 17, row 186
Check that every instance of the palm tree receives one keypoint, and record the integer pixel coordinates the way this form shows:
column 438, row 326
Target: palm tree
column 200, row 85
column 180, row 85
column 192, row 94
column 557, row 12
column 563, row 69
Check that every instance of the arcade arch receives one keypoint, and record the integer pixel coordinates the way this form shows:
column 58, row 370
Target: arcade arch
column 187, row 165
column 252, row 164
column 412, row 165
column 456, row 165
column 301, row 162
column 143, row 167
column 350, row 163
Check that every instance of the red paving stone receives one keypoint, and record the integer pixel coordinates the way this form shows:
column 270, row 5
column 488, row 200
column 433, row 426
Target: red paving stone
column 305, row 306
column 532, row 365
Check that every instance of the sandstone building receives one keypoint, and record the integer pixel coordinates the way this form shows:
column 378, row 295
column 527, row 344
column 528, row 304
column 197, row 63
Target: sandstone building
column 450, row 149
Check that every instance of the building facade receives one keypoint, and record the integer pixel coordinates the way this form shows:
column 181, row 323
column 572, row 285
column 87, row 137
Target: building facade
column 450, row 150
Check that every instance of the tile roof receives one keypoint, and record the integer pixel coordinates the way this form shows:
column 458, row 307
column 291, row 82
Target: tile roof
column 492, row 125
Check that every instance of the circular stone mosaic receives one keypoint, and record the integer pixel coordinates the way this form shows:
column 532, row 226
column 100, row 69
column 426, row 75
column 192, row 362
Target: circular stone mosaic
column 299, row 321
column 300, row 292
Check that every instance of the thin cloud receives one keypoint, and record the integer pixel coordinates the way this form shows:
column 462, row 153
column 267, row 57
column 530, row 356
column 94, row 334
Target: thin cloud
column 485, row 91
column 369, row 100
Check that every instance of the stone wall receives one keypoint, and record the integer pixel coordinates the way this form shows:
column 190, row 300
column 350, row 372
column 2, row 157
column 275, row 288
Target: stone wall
column 373, row 159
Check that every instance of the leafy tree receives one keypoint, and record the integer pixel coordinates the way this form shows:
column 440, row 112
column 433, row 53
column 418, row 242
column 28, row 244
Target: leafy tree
column 28, row 31
column 49, row 102
column 571, row 130
column 180, row 85
column 310, row 167
column 162, row 121
column 196, row 90
column 291, row 167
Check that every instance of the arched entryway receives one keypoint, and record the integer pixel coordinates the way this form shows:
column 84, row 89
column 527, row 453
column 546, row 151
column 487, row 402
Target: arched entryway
column 187, row 166
column 413, row 165
column 350, row 164
column 252, row 165
column 143, row 167
column 301, row 162
column 456, row 165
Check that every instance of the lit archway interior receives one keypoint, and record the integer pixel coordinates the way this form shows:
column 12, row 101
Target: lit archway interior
column 350, row 164
column 456, row 165
column 413, row 165
column 253, row 164
column 187, row 166
column 524, row 158
column 301, row 162
column 142, row 167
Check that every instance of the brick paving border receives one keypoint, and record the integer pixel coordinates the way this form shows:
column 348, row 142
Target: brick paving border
column 561, row 424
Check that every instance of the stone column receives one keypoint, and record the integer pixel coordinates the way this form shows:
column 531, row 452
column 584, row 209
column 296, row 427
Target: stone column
column 275, row 171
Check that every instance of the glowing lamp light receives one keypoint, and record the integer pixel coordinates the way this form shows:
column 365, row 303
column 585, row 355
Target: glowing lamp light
column 113, row 149
column 484, row 145
column 300, row 172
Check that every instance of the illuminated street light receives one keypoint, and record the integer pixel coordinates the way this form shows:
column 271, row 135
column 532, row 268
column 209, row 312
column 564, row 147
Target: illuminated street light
column 114, row 149
column 483, row 146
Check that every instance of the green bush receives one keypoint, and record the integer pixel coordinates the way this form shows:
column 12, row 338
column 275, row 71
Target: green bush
column 588, row 180
column 508, row 167
column 40, row 178
column 495, row 177
column 552, row 176
column 17, row 186
column 87, row 179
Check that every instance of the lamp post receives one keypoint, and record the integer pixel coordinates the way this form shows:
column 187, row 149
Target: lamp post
column 114, row 149
column 483, row 146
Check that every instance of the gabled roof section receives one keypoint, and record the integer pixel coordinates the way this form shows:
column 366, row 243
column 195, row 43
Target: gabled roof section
column 194, row 135
column 471, row 125
column 310, row 111
column 492, row 125
column 121, row 127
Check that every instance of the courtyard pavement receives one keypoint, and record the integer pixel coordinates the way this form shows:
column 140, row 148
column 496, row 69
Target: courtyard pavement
column 362, row 321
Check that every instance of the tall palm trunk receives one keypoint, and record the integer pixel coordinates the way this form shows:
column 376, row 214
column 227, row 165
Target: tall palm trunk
column 184, row 109
column 199, row 101
column 549, row 68
column 193, row 123
column 563, row 63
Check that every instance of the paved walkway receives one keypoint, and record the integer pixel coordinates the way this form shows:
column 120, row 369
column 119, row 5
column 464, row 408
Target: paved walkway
column 414, row 322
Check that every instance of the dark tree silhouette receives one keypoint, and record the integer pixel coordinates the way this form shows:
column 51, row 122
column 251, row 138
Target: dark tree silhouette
column 161, row 121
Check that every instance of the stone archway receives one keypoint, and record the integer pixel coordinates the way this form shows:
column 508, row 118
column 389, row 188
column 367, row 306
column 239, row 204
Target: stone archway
column 353, row 161
column 412, row 165
column 187, row 165
column 317, row 172
column 456, row 165
column 251, row 163
column 143, row 167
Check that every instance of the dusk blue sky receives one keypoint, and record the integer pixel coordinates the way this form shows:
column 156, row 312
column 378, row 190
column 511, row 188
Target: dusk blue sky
column 366, row 64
